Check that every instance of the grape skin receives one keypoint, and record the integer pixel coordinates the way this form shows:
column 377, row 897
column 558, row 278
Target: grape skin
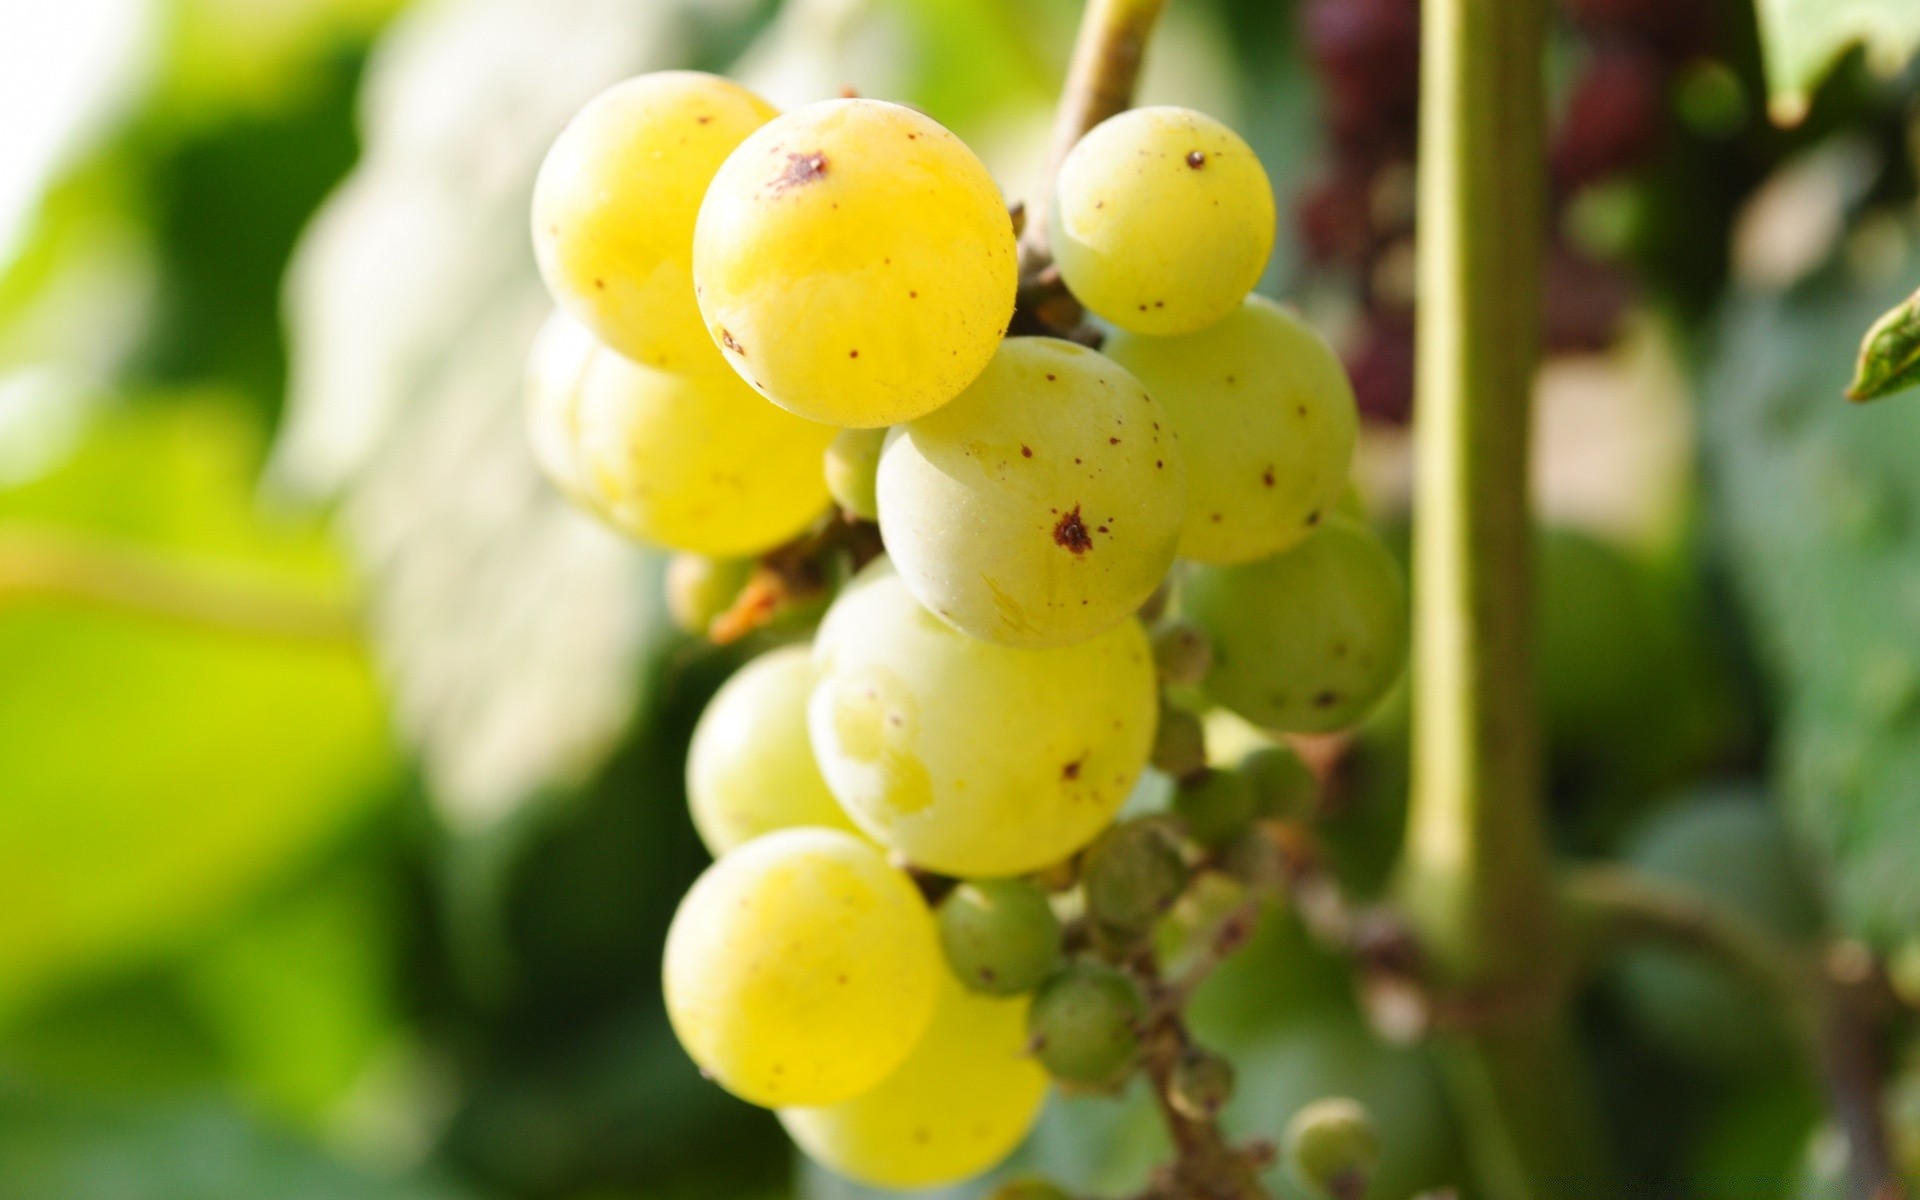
column 855, row 262
column 801, row 969
column 1310, row 639
column 750, row 768
column 968, row 757
column 1266, row 420
column 692, row 462
column 1161, row 220
column 961, row 1102
column 615, row 202
column 1042, row 506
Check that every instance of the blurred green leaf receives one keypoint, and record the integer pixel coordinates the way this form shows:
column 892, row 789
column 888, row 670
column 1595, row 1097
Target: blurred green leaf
column 1818, row 508
column 1801, row 40
column 152, row 777
column 1889, row 354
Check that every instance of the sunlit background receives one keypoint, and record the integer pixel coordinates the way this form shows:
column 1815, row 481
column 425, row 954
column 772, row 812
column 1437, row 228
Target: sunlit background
column 340, row 800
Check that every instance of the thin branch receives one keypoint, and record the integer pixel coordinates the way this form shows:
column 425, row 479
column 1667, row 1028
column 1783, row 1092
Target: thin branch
column 62, row 566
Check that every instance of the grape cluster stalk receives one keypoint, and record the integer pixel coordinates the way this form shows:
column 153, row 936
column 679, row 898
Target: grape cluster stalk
column 1011, row 497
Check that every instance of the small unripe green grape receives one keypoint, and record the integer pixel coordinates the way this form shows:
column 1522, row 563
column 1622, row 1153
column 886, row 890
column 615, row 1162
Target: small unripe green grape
column 853, row 463
column 1310, row 639
column 700, row 588
column 1132, row 875
column 692, row 462
column 1041, row 507
column 961, row 1102
column 614, row 206
column 1000, row 935
column 1217, row 807
column 855, row 262
column 1029, row 1188
column 1201, row 1083
column 801, row 969
column 750, row 767
column 1161, row 220
column 1081, row 1025
column 1266, row 420
column 1284, row 788
column 967, row 757
column 1180, row 743
column 1182, row 653
column 1333, row 1148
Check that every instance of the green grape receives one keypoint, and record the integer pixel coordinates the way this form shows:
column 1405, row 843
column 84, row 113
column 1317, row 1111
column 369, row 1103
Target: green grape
column 614, row 206
column 1081, row 1025
column 1180, row 743
column 853, row 462
column 801, row 969
column 1333, row 1148
column 1283, row 786
column 699, row 589
column 968, row 757
column 750, row 769
column 1310, row 639
column 693, row 462
column 1162, row 220
column 1217, row 806
column 1266, row 420
column 961, row 1102
column 1042, row 506
column 1132, row 875
column 1182, row 653
column 1201, row 1083
column 1029, row 1188
column 1000, row 935
column 855, row 262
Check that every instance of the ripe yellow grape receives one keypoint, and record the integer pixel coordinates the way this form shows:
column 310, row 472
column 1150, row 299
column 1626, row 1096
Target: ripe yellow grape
column 692, row 462
column 1042, row 505
column 1267, row 423
column 965, row 1097
column 1161, row 220
column 615, row 202
column 750, row 768
column 966, row 756
column 801, row 969
column 855, row 262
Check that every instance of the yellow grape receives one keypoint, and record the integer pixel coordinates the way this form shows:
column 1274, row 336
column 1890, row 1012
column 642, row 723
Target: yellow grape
column 1042, row 505
column 855, row 262
column 614, row 207
column 962, row 1101
column 1267, row 423
column 1161, row 220
column 801, row 969
column 970, row 757
column 692, row 462
column 750, row 769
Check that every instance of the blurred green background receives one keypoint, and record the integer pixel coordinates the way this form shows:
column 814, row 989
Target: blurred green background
column 340, row 797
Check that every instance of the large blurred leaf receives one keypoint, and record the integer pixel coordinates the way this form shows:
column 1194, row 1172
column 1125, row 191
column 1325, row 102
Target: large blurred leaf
column 1802, row 39
column 1819, row 505
column 152, row 776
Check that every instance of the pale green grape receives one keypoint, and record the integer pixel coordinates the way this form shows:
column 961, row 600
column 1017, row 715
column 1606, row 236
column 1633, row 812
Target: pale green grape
column 960, row 1103
column 1267, row 423
column 1333, row 1147
column 1041, row 506
column 1000, row 935
column 614, row 207
column 801, row 969
column 1082, row 1024
column 852, row 466
column 693, row 462
column 966, row 756
column 750, row 769
column 1309, row 639
column 700, row 589
column 1162, row 219
column 855, row 262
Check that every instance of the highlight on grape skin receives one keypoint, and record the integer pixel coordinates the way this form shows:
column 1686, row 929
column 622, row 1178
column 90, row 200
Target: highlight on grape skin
column 855, row 262
column 1042, row 505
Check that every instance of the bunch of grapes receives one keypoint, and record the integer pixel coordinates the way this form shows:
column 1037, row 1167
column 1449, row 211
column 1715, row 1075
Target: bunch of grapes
column 923, row 908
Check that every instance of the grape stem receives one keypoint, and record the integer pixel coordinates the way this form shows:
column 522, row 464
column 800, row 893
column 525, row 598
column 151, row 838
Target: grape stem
column 38, row 563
